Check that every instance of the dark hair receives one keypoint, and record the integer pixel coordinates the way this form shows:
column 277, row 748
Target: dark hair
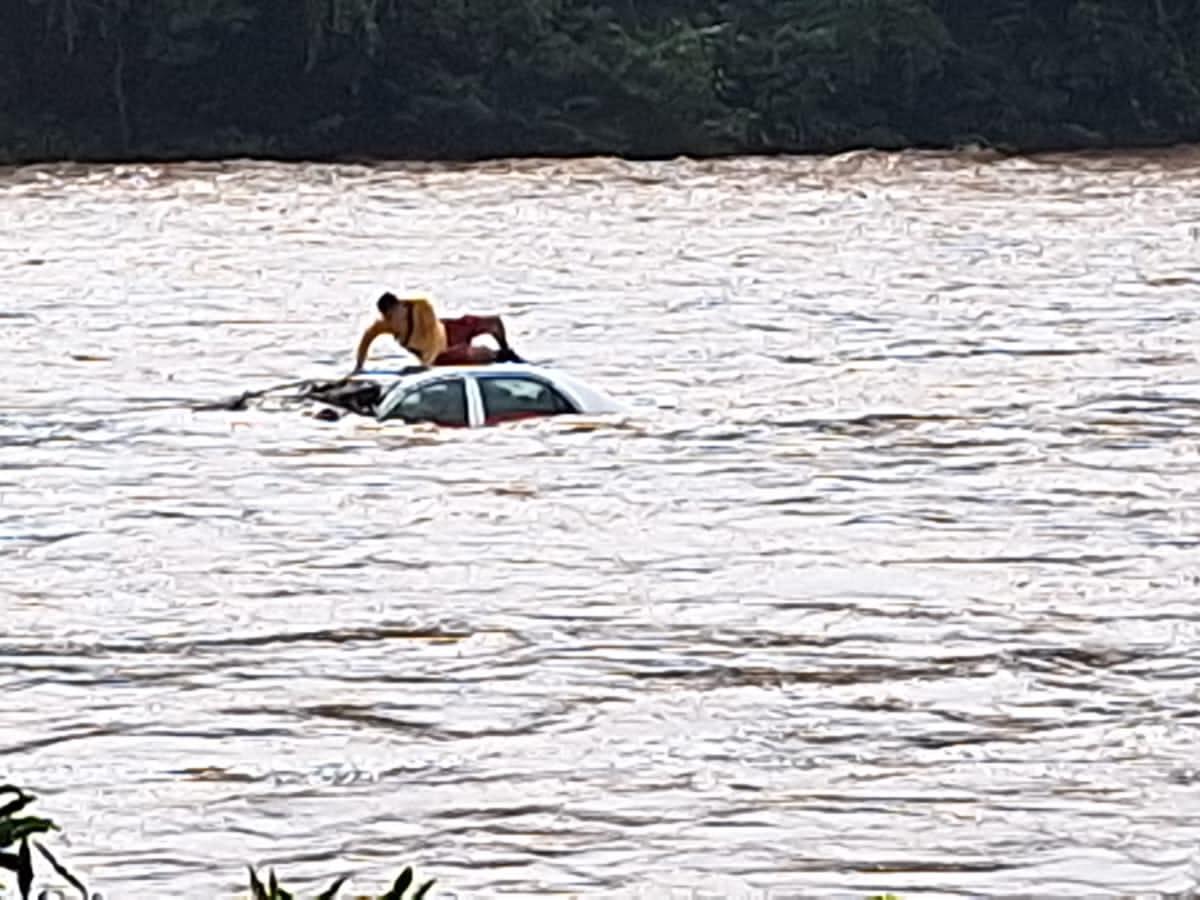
column 387, row 303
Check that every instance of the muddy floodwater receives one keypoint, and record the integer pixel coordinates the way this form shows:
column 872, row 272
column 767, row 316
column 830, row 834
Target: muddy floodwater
column 890, row 580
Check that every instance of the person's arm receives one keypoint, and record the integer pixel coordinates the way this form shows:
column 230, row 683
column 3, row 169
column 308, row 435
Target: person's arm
column 377, row 328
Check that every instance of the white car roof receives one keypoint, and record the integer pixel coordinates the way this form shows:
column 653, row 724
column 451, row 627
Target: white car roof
column 490, row 368
column 496, row 369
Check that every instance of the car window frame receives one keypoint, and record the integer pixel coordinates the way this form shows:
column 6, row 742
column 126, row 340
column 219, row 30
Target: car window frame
column 425, row 384
column 571, row 403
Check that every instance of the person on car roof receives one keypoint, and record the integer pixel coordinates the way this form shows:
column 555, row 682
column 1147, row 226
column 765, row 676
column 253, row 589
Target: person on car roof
column 436, row 342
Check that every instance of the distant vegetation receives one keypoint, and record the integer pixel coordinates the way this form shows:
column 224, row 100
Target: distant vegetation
column 319, row 79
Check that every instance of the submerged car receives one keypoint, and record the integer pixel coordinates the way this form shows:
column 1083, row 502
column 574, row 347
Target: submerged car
column 450, row 396
column 476, row 396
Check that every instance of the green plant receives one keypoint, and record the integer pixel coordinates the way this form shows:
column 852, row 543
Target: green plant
column 16, row 830
column 272, row 891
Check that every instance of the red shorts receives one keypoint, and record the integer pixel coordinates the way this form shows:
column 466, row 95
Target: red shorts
column 465, row 329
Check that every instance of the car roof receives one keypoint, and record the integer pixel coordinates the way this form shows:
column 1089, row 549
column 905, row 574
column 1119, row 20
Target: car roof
column 491, row 369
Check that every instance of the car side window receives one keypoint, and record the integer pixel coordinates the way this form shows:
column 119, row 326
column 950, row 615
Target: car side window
column 442, row 402
column 510, row 397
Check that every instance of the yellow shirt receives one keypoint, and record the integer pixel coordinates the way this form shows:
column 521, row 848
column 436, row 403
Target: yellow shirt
column 425, row 335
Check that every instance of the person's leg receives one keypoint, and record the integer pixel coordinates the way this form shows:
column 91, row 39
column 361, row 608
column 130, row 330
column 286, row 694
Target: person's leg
column 465, row 329
column 465, row 355
column 495, row 327
column 461, row 331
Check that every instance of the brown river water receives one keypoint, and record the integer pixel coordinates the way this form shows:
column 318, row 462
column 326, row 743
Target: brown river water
column 889, row 581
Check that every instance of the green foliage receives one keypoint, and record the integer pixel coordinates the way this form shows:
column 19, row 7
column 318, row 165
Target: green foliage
column 189, row 31
column 816, row 73
column 472, row 78
column 19, row 830
column 272, row 891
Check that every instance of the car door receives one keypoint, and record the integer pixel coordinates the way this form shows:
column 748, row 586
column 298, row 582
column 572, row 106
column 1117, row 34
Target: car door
column 442, row 402
column 507, row 398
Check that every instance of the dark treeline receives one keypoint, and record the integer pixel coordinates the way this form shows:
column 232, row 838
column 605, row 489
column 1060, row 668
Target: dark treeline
column 124, row 79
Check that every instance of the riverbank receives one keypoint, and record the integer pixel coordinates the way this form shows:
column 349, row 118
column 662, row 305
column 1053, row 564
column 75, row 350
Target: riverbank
column 423, row 81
